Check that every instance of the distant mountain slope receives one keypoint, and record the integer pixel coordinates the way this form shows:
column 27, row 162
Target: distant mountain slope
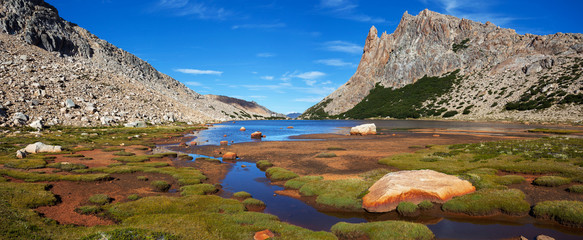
column 502, row 75
column 246, row 106
column 47, row 60
column 293, row 115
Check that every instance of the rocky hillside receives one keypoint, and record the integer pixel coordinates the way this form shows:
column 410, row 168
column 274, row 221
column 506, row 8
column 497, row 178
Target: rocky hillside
column 436, row 66
column 58, row 72
column 246, row 106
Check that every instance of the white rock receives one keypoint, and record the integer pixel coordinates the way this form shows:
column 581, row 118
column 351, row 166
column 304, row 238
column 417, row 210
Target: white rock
column 364, row 129
column 39, row 147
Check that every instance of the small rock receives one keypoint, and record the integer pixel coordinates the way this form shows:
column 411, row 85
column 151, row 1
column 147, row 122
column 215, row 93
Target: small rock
column 262, row 235
column 38, row 125
column 243, row 166
column 20, row 118
column 69, row 103
column 242, row 129
column 21, row 153
column 256, row 135
column 290, row 127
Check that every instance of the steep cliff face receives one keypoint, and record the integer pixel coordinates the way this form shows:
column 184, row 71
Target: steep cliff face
column 433, row 44
column 47, row 60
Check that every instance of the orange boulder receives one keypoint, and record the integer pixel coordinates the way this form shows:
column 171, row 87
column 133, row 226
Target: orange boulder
column 413, row 186
column 257, row 135
column 242, row 129
column 262, row 235
column 230, row 156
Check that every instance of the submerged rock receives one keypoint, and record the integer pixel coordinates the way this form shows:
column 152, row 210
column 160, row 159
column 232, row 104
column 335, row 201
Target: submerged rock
column 413, row 186
column 364, row 129
column 40, row 147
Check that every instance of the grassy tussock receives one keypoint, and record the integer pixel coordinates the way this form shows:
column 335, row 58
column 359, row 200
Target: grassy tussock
column 89, row 209
column 568, row 213
column 100, row 199
column 263, row 164
column 280, row 174
column 382, row 230
column 26, row 163
column 553, row 131
column 407, row 209
column 576, row 188
column 184, row 175
column 160, row 186
column 425, row 204
column 124, row 153
column 26, row 195
column 67, row 166
column 489, row 201
column 297, row 183
column 212, row 160
column 133, row 197
column 253, row 202
column 345, row 193
column 326, row 155
column 37, row 177
column 198, row 189
column 131, row 233
column 242, row 195
column 551, row 181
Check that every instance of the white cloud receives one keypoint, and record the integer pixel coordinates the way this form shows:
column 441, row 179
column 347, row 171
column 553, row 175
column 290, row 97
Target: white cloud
column 342, row 46
column 327, row 82
column 265, row 55
column 347, row 9
column 310, row 75
column 310, row 82
column 477, row 10
column 199, row 72
column 258, row 97
column 193, row 83
column 267, row 77
column 188, row 8
column 259, row 26
column 335, row 62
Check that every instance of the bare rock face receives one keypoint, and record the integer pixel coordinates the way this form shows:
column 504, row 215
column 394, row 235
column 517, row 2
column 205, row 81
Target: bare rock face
column 494, row 60
column 364, row 129
column 413, row 186
column 40, row 147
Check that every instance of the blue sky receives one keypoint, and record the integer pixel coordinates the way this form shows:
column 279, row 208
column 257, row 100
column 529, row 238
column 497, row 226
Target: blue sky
column 288, row 54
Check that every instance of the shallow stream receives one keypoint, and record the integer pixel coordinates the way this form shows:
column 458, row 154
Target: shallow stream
column 297, row 212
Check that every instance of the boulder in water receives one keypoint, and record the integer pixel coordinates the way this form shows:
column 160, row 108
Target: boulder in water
column 257, row 135
column 230, row 156
column 364, row 129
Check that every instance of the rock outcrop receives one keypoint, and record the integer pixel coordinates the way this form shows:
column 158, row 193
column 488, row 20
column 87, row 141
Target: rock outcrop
column 40, row 147
column 58, row 72
column 364, row 129
column 413, row 186
column 497, row 66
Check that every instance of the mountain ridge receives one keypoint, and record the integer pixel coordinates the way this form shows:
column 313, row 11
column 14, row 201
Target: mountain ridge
column 78, row 53
column 424, row 45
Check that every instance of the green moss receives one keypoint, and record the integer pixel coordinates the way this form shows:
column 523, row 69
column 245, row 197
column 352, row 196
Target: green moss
column 133, row 197
column 345, row 193
column 198, row 189
column 113, row 149
column 26, row 163
column 509, row 179
column 489, row 201
column 335, row 149
column 66, row 166
column 212, row 160
column 124, row 153
column 264, row 164
column 382, row 230
column 407, row 209
column 425, row 204
column 253, row 202
column 326, row 155
column 280, row 174
column 242, row 195
column 160, row 186
column 100, row 199
column 26, row 195
column 74, row 155
column 551, row 181
column 89, row 209
column 131, row 233
column 568, row 213
column 142, row 178
column 143, row 158
column 297, row 183
column 576, row 188
column 553, row 131
column 37, row 177
column 374, row 175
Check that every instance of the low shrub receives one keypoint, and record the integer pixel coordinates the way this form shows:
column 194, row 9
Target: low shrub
column 197, row 189
column 326, row 155
column 242, row 195
column 489, row 201
column 160, row 186
column 551, row 181
column 568, row 213
column 142, row 178
column 576, row 189
column 297, row 183
column 100, row 199
column 89, row 209
column 133, row 197
column 280, row 174
column 382, row 230
column 407, row 209
column 263, row 164
column 425, row 204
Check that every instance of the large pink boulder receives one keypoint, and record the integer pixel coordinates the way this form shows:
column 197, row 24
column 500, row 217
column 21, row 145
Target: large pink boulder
column 413, row 186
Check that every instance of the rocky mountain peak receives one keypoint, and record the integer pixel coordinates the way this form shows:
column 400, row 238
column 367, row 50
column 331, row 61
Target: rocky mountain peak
column 433, row 44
